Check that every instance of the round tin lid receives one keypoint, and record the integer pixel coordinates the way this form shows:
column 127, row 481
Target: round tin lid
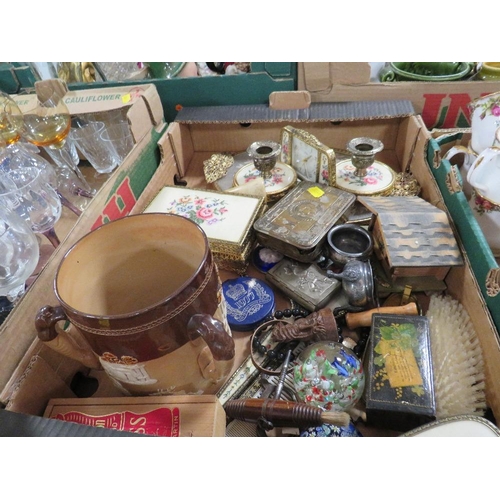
column 249, row 302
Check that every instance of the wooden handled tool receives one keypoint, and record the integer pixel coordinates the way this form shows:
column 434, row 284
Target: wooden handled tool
column 364, row 318
column 282, row 413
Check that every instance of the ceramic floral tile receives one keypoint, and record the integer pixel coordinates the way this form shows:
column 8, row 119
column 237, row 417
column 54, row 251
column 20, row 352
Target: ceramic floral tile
column 222, row 216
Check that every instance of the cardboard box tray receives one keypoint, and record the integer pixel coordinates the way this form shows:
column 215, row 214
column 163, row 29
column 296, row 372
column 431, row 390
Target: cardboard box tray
column 441, row 105
column 195, row 135
column 483, row 263
column 245, row 88
column 167, row 416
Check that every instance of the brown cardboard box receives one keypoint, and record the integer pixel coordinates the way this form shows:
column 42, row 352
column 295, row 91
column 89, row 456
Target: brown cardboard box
column 192, row 138
column 116, row 197
column 167, row 416
column 442, row 105
column 449, row 179
column 198, row 133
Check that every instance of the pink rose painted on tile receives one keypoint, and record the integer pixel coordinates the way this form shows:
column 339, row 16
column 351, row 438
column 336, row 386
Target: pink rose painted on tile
column 199, row 209
column 205, row 213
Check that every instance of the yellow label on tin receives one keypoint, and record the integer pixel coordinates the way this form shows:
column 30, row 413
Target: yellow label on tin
column 400, row 365
column 316, row 191
column 126, row 98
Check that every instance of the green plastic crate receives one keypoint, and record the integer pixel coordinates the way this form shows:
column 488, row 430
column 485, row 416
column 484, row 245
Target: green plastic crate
column 247, row 88
column 14, row 77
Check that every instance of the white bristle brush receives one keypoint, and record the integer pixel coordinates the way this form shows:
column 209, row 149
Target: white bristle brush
column 457, row 359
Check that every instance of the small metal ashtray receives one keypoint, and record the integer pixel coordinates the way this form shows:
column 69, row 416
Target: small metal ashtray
column 349, row 242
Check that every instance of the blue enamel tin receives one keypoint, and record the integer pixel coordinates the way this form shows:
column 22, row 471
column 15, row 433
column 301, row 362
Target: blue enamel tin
column 249, row 302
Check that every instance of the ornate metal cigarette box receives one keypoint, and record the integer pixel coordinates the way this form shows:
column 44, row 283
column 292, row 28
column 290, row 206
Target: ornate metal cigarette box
column 297, row 225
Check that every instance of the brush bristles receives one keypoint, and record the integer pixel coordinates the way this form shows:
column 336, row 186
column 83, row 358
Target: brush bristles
column 456, row 358
column 341, row 418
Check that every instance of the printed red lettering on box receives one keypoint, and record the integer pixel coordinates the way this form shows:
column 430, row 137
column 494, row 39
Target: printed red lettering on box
column 120, row 204
column 446, row 110
column 160, row 422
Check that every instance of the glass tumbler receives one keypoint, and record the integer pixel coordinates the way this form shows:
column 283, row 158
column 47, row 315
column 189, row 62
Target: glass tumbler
column 99, row 153
column 118, row 138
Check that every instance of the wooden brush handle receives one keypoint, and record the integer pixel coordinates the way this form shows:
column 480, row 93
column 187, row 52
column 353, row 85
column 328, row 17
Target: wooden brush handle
column 364, row 318
column 282, row 413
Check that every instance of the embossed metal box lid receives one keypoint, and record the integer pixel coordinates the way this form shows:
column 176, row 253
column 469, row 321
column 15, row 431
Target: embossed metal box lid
column 304, row 283
column 297, row 225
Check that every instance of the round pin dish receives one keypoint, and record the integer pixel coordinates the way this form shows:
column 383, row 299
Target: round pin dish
column 282, row 177
column 362, row 174
column 249, row 302
column 378, row 180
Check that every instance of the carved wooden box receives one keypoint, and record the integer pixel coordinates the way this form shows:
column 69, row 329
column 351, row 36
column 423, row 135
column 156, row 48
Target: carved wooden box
column 412, row 237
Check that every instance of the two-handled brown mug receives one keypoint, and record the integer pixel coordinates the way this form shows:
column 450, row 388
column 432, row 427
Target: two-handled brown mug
column 145, row 294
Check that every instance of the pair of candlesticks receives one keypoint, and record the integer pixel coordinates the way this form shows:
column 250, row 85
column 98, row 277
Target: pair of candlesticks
column 361, row 174
column 265, row 154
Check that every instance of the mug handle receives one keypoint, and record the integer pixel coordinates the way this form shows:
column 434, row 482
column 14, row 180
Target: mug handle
column 60, row 340
column 455, row 150
column 220, row 345
column 496, row 141
column 466, row 163
column 472, row 174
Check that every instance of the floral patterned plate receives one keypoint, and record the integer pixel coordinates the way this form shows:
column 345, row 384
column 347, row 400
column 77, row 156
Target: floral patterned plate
column 379, row 179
